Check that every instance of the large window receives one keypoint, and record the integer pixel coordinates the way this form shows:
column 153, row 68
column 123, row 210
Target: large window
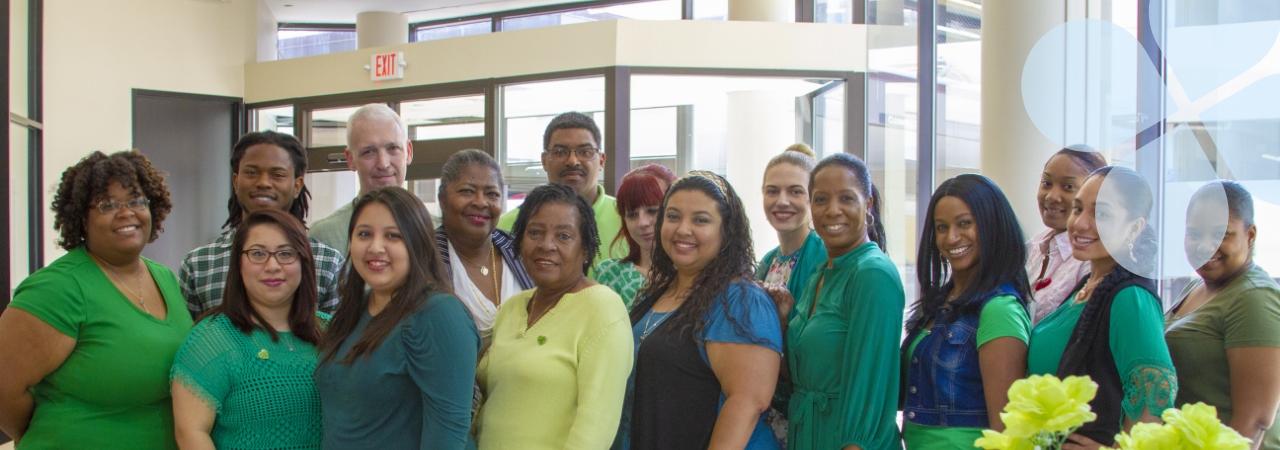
column 452, row 30
column 296, row 43
column 527, row 109
column 652, row 10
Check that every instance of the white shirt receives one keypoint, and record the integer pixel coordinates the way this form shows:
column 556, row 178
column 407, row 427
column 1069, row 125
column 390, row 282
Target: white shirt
column 483, row 311
column 1060, row 278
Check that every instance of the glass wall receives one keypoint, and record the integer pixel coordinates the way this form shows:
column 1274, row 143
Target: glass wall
column 452, row 30
column 299, row 43
column 527, row 109
column 653, row 10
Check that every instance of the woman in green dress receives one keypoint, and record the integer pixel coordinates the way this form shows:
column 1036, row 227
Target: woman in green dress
column 842, row 341
column 398, row 361
column 1224, row 333
column 257, row 348
column 1112, row 327
column 86, row 345
column 639, row 198
column 967, row 336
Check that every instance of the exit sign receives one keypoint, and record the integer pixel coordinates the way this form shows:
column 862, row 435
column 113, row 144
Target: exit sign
column 387, row 66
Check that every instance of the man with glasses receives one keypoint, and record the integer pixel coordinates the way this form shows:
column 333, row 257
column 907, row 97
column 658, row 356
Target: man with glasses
column 379, row 151
column 266, row 172
column 572, row 156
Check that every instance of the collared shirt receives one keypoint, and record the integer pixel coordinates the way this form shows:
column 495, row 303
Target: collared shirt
column 203, row 275
column 1059, row 279
column 332, row 230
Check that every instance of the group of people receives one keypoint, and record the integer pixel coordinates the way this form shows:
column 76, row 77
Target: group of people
column 645, row 321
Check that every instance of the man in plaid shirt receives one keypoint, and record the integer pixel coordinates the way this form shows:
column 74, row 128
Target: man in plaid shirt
column 267, row 169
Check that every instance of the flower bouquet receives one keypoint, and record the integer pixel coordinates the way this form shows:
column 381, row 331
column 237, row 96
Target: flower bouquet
column 1193, row 427
column 1041, row 413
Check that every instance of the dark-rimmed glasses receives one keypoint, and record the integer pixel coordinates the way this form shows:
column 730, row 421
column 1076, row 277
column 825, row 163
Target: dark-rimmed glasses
column 260, row 256
column 562, row 153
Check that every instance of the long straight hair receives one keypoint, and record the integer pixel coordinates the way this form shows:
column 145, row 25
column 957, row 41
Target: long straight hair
column 1001, row 251
column 426, row 277
column 235, row 298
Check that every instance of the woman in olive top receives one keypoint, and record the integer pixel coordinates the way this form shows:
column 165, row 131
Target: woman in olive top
column 255, row 349
column 1112, row 328
column 967, row 336
column 708, row 338
column 555, row 375
column 842, row 340
column 86, row 345
column 1224, row 334
column 397, row 364
column 1052, row 270
column 639, row 197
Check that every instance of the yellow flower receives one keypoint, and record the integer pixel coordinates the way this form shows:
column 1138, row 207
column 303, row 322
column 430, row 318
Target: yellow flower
column 1199, row 427
column 992, row 440
column 1149, row 436
column 1045, row 403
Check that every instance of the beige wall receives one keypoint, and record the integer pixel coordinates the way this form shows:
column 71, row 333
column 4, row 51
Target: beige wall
column 96, row 52
column 705, row 44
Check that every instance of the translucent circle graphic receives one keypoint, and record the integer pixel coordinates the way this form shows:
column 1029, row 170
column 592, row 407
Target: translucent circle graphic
column 1122, row 220
column 1079, row 81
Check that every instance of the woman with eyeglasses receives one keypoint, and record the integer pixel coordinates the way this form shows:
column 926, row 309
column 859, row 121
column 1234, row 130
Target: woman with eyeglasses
column 1224, row 331
column 87, row 343
column 398, row 361
column 257, row 348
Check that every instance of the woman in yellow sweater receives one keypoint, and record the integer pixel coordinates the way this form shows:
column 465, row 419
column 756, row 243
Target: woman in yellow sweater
column 556, row 372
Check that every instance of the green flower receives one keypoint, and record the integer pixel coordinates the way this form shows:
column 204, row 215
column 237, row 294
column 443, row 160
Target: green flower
column 1198, row 425
column 1149, row 436
column 1045, row 403
column 995, row 441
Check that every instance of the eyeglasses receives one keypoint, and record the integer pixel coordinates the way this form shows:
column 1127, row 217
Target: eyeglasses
column 137, row 205
column 259, row 256
column 562, row 153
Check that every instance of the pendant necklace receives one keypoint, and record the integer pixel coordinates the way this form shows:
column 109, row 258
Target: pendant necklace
column 120, row 279
column 483, row 270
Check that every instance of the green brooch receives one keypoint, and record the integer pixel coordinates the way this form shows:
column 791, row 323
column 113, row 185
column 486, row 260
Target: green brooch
column 542, row 340
column 263, row 354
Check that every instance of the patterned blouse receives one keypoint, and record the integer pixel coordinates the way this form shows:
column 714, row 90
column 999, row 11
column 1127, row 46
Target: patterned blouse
column 622, row 277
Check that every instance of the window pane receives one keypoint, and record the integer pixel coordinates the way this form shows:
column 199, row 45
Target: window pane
column 828, row 122
column 958, row 101
column 329, row 126
column 299, row 43
column 278, row 119
column 657, row 10
column 710, row 9
column 444, row 118
column 527, row 109
column 452, row 30
column 833, row 11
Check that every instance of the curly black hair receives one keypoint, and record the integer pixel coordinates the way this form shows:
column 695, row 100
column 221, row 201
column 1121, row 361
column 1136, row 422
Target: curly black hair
column 566, row 195
column 85, row 184
column 735, row 260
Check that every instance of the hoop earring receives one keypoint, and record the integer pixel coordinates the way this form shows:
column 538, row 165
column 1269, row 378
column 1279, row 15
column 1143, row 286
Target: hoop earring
column 871, row 220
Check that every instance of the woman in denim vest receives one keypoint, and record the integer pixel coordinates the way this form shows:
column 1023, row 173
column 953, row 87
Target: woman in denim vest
column 967, row 336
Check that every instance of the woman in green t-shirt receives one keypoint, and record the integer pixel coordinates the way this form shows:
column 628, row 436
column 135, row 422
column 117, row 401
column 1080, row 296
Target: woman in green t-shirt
column 86, row 345
column 243, row 379
column 1224, row 333
column 967, row 336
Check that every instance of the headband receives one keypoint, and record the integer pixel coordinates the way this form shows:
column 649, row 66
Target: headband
column 713, row 178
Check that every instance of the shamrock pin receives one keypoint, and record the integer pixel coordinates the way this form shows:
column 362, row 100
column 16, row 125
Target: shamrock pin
column 542, row 340
column 263, row 354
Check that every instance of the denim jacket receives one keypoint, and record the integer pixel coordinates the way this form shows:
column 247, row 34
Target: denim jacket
column 944, row 380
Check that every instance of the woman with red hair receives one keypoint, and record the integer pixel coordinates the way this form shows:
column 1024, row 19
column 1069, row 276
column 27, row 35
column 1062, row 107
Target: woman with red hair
column 639, row 199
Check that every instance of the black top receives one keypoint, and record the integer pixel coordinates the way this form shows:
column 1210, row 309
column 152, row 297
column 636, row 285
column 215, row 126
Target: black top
column 677, row 396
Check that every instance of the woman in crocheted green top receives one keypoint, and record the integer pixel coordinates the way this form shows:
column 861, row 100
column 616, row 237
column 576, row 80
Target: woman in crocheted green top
column 243, row 378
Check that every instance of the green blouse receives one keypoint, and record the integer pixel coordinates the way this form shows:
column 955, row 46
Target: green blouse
column 620, row 276
column 844, row 358
column 263, row 392
column 1245, row 313
column 113, row 390
column 1137, row 344
column 1001, row 317
column 811, row 256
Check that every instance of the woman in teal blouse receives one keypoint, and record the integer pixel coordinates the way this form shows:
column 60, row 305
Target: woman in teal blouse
column 255, row 349
column 1112, row 327
column 398, row 362
column 842, row 341
column 786, row 205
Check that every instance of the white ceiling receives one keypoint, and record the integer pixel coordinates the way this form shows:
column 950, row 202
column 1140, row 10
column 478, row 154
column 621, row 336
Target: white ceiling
column 344, row 11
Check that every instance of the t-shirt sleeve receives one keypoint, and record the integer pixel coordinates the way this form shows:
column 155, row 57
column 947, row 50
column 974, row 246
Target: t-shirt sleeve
column 1253, row 319
column 1140, row 352
column 203, row 364
column 440, row 348
column 55, row 298
column 1001, row 317
column 754, row 314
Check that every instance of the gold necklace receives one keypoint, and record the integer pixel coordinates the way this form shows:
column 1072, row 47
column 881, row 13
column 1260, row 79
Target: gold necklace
column 483, row 270
column 119, row 279
column 1087, row 290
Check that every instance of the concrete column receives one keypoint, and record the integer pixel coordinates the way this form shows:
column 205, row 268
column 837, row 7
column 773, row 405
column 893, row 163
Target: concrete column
column 378, row 29
column 762, row 10
column 1013, row 150
column 761, row 124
